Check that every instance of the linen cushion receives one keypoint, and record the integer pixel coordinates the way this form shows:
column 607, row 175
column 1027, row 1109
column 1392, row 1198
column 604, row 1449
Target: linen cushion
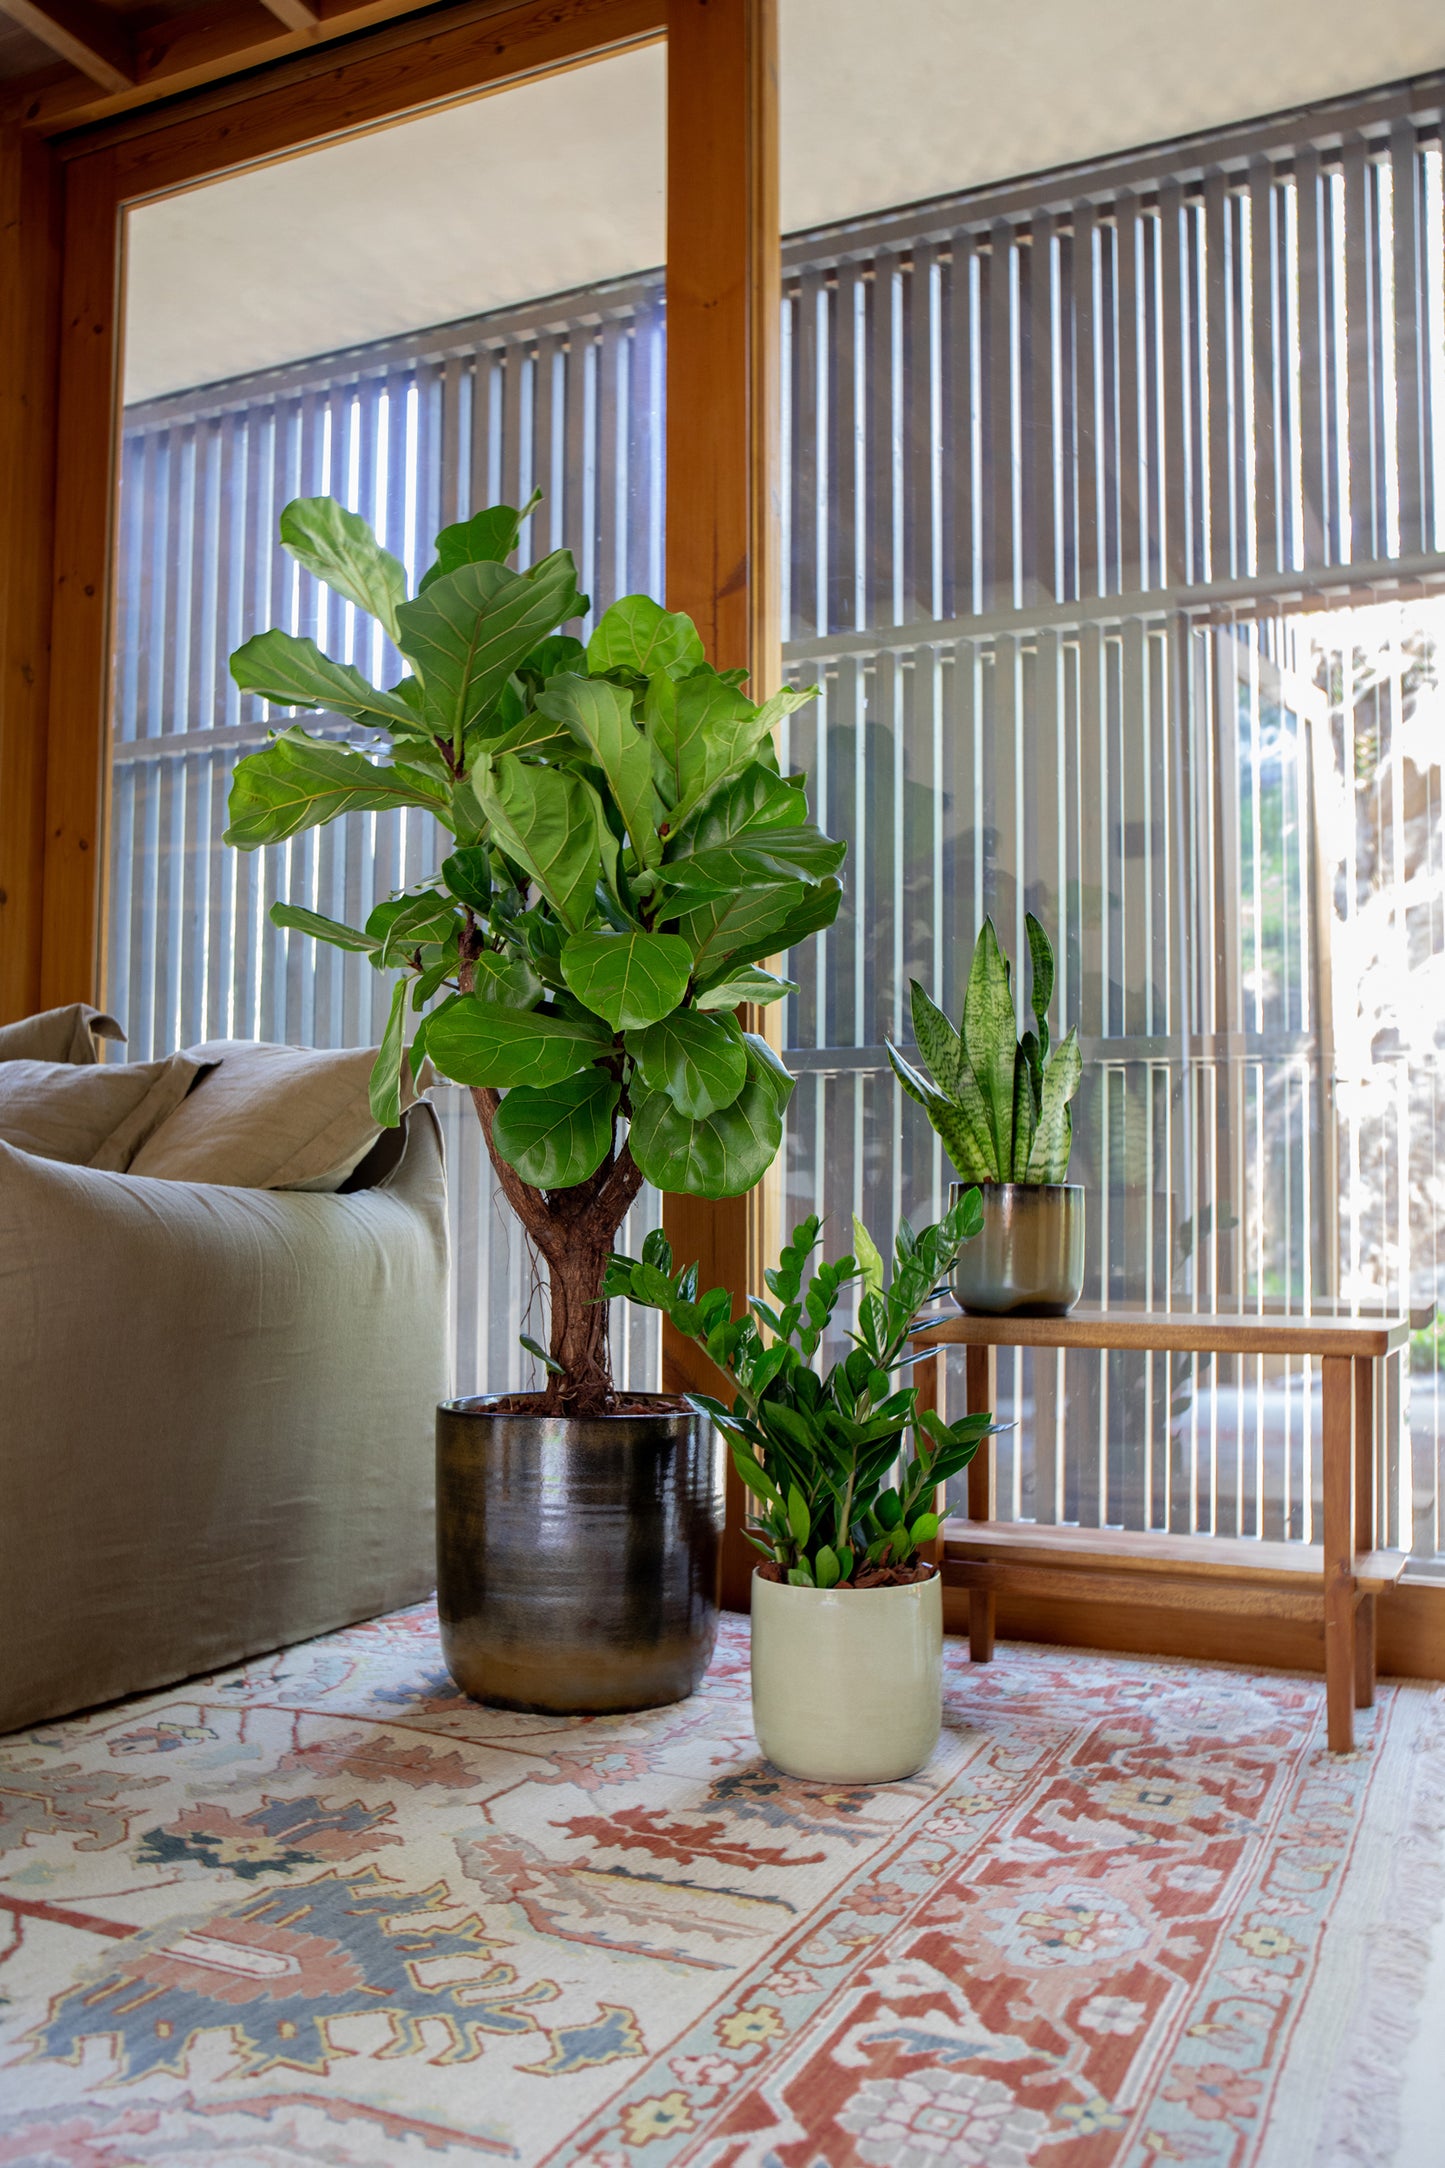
column 67, row 1034
column 269, row 1117
column 90, row 1114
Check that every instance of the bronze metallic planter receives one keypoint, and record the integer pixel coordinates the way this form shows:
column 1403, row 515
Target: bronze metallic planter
column 577, row 1559
column 1029, row 1259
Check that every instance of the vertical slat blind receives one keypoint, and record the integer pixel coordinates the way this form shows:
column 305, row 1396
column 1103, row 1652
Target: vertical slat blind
column 1094, row 488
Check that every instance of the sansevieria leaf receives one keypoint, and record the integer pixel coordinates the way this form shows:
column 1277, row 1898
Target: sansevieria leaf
column 1049, row 1158
column 990, row 1037
column 558, row 1137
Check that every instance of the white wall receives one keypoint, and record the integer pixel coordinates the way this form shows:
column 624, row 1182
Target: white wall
column 558, row 183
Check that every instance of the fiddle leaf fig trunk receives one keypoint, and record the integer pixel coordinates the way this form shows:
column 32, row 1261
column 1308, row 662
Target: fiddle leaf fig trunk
column 620, row 856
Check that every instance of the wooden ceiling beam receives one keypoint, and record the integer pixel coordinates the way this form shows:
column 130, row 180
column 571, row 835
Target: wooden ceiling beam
column 295, row 14
column 90, row 37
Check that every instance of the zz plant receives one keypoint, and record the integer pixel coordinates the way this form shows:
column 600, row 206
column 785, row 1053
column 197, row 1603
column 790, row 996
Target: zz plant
column 999, row 1103
column 621, row 854
column 833, row 1496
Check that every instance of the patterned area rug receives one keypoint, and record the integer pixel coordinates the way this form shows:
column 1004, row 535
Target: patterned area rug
column 323, row 1909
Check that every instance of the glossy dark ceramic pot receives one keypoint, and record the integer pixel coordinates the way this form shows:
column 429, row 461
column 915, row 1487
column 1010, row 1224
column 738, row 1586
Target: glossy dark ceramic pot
column 577, row 1559
column 1029, row 1259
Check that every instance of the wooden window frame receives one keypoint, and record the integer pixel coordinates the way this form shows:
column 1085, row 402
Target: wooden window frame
column 62, row 206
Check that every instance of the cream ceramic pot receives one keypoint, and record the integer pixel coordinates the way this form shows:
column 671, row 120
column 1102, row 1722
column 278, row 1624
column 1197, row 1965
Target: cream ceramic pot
column 847, row 1684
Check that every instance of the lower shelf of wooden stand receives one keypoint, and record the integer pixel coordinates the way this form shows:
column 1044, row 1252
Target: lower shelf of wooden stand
column 1113, row 1565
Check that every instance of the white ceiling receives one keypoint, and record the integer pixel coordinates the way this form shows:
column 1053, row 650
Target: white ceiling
column 559, row 183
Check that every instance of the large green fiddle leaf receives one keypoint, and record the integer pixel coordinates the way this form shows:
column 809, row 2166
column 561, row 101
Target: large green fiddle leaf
column 470, row 629
column 402, row 924
column 699, row 1061
column 746, row 984
column 717, row 1155
column 632, row 978
column 990, row 1040
column 384, row 1088
column 299, row 920
column 297, row 782
column 726, row 932
column 294, row 673
column 753, row 828
column 1053, row 1138
column 598, row 716
column 340, row 548
column 558, row 1137
column 480, row 1040
column 488, row 537
column 638, row 634
column 549, row 822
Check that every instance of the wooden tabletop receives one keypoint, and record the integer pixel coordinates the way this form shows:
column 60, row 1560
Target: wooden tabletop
column 1187, row 1331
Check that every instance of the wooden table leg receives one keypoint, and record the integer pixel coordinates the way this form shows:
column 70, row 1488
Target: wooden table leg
column 1365, row 1534
column 981, row 1498
column 1339, row 1544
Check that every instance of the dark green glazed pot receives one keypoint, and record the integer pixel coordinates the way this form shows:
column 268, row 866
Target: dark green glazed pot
column 577, row 1559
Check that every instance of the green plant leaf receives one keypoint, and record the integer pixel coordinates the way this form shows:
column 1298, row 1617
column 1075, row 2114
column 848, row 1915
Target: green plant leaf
column 753, row 827
column 292, row 915
column 751, row 1472
column 468, row 876
column 827, row 1567
column 294, row 673
column 938, row 1042
column 1053, row 1139
column 507, row 979
column 633, row 979
column 990, row 1038
column 699, row 1061
column 488, row 537
column 924, row 1529
column 549, row 822
column 1041, row 990
column 478, row 1041
column 598, row 715
column 468, row 632
column 869, row 1257
column 1025, row 1117
column 717, row 1155
column 406, row 923
column 384, row 1090
column 535, row 1348
column 557, row 1138
column 799, row 1520
column 638, row 634
column 800, row 1577
column 297, row 782
column 747, row 984
column 340, row 548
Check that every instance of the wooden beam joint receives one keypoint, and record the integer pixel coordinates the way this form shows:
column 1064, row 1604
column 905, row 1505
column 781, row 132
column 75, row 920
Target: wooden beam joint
column 87, row 35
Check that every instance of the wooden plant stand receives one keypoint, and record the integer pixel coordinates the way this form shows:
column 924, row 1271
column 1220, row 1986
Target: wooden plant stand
column 1341, row 1576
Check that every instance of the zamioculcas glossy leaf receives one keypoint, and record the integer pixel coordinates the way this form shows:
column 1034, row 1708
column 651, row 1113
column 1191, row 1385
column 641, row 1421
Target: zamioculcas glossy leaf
column 598, row 716
column 294, row 673
column 297, row 782
column 340, row 548
column 990, row 1035
column 638, row 634
column 482, row 1041
column 633, row 979
column 548, row 821
column 1049, row 1159
column 468, row 632
column 699, row 1061
column 558, row 1137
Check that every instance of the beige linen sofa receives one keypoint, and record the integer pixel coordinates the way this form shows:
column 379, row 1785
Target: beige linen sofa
column 216, row 1414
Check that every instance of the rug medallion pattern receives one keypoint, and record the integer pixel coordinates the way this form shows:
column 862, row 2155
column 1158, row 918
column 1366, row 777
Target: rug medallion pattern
column 322, row 1908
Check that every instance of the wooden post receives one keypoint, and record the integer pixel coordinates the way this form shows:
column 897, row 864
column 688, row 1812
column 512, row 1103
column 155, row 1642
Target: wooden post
column 30, row 260
column 1339, row 1545
column 982, row 1370
column 1365, row 1530
column 723, row 303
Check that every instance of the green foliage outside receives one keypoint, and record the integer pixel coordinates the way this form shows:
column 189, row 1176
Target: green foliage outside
column 999, row 1103
column 822, row 1454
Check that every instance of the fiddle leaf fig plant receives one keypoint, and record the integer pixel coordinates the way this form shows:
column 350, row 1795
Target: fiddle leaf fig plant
column 621, row 855
column 834, row 1498
column 999, row 1103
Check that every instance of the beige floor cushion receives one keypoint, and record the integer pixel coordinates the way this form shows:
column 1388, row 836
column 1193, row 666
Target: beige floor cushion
column 91, row 1114
column 68, row 1034
column 269, row 1117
